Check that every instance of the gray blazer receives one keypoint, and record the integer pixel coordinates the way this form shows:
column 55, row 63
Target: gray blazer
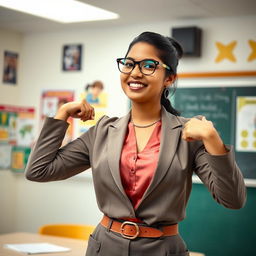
column 166, row 197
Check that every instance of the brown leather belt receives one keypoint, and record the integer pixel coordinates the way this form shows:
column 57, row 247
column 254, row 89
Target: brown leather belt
column 131, row 230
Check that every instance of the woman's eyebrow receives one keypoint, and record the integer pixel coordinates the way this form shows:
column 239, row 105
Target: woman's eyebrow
column 130, row 58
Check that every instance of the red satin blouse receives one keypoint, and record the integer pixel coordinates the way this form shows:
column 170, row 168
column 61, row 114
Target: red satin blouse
column 137, row 169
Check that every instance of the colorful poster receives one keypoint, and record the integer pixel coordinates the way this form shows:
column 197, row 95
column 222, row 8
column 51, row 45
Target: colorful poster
column 16, row 136
column 19, row 158
column 5, row 156
column 246, row 124
column 51, row 102
column 25, row 136
column 17, row 125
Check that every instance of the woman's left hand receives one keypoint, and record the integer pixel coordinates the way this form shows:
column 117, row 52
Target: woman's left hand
column 204, row 130
column 196, row 129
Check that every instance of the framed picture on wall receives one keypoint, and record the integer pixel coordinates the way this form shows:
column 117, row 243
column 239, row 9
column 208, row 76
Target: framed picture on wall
column 10, row 67
column 72, row 57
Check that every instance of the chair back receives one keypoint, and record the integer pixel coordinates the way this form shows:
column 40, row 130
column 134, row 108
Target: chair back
column 67, row 230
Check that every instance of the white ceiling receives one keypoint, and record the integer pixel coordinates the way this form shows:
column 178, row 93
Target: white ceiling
column 133, row 12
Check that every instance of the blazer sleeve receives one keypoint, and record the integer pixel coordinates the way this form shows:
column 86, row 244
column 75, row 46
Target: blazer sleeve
column 49, row 162
column 222, row 176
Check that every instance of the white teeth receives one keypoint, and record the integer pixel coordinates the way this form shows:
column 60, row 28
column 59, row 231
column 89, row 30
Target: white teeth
column 136, row 85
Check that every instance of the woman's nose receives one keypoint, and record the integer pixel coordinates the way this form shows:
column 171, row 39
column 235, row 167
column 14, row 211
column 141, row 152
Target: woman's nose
column 136, row 71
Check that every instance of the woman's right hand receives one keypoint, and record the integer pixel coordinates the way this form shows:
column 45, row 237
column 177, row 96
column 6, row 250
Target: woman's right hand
column 76, row 109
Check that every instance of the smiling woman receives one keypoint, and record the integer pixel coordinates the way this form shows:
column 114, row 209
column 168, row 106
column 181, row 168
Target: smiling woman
column 142, row 163
column 165, row 53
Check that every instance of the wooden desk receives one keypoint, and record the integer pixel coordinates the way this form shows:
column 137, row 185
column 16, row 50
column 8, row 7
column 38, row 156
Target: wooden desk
column 78, row 247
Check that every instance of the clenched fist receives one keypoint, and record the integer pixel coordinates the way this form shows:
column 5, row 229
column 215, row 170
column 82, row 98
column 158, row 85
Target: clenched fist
column 75, row 109
column 204, row 130
column 196, row 129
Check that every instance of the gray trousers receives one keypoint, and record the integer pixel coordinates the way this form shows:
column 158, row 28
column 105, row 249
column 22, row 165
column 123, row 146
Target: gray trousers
column 104, row 242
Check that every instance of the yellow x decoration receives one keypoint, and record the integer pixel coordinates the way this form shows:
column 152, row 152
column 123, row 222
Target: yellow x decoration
column 225, row 51
column 252, row 56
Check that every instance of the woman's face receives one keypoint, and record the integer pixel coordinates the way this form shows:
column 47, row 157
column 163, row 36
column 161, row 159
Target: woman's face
column 142, row 88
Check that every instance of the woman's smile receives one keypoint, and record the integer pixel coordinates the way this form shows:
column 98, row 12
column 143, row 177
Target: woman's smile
column 136, row 85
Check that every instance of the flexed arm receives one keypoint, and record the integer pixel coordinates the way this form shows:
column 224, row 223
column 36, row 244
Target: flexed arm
column 47, row 161
column 215, row 164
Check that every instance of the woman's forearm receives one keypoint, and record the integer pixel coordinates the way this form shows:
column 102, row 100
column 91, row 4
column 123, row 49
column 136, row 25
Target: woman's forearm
column 61, row 115
column 214, row 144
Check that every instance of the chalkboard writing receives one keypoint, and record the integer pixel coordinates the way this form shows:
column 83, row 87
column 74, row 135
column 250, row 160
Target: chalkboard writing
column 218, row 104
column 213, row 103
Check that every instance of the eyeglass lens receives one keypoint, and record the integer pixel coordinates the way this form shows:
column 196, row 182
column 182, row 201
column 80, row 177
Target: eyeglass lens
column 147, row 67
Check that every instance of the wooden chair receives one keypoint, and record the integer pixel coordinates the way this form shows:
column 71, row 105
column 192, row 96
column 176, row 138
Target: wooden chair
column 67, row 230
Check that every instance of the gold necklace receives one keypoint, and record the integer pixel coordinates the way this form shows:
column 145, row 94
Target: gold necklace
column 144, row 126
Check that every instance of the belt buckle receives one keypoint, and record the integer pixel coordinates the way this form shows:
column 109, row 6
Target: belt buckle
column 130, row 223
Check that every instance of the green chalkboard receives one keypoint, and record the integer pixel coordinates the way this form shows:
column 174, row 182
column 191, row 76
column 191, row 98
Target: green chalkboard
column 218, row 104
column 216, row 231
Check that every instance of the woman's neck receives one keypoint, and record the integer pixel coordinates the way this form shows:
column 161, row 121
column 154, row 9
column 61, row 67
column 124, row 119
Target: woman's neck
column 145, row 113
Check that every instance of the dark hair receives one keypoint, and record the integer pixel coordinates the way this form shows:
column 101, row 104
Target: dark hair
column 169, row 51
column 97, row 83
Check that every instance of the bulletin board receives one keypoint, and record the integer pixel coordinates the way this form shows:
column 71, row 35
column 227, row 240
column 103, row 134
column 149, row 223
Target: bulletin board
column 17, row 125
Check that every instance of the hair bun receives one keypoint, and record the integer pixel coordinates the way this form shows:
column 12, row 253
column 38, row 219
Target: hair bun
column 177, row 46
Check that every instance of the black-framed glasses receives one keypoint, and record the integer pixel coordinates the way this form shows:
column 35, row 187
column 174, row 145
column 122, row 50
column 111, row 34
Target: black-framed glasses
column 147, row 66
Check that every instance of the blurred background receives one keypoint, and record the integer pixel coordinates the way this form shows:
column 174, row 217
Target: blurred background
column 36, row 48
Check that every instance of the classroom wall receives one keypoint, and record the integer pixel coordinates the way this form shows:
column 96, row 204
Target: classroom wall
column 11, row 41
column 27, row 205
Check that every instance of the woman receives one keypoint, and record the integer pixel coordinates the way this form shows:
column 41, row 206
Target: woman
column 142, row 163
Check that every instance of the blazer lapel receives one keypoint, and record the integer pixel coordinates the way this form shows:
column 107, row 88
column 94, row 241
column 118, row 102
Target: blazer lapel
column 170, row 136
column 116, row 135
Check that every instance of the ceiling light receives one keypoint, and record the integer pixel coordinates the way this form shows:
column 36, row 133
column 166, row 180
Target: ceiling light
column 64, row 11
